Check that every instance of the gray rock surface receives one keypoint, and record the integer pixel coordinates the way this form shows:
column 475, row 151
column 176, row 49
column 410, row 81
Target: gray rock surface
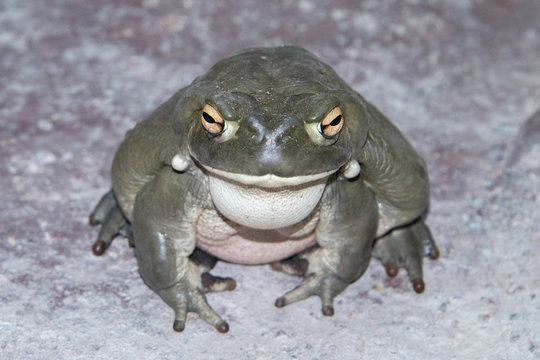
column 460, row 78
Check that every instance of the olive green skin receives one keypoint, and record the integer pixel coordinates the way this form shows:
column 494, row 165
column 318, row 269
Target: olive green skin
column 271, row 93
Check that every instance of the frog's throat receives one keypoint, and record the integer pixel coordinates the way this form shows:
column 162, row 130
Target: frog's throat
column 268, row 201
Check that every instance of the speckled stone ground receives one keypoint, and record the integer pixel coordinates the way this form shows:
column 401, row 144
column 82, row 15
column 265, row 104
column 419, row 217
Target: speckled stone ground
column 460, row 78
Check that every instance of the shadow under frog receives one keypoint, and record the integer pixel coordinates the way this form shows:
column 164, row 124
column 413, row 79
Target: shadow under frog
column 270, row 157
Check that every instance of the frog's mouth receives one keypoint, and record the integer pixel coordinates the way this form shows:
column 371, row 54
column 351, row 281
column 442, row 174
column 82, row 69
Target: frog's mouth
column 267, row 201
column 269, row 180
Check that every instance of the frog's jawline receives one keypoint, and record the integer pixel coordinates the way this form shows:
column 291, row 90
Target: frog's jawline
column 269, row 180
column 268, row 201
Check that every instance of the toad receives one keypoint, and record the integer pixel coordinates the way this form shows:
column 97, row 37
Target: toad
column 268, row 158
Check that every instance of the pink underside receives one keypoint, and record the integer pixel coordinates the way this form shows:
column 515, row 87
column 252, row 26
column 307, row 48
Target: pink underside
column 241, row 251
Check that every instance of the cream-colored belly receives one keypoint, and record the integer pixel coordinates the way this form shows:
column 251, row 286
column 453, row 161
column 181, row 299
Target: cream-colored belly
column 232, row 242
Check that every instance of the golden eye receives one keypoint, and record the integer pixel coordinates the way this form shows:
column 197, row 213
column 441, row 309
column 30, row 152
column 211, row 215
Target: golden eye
column 331, row 125
column 212, row 121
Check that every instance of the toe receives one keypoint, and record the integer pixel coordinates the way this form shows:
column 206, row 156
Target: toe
column 99, row 247
column 418, row 285
column 293, row 266
column 415, row 273
column 105, row 204
column 206, row 313
column 305, row 290
column 213, row 283
column 328, row 310
column 392, row 270
column 222, row 327
column 423, row 235
column 280, row 302
column 434, row 253
column 180, row 317
column 92, row 220
column 110, row 227
column 327, row 299
column 127, row 232
column 179, row 325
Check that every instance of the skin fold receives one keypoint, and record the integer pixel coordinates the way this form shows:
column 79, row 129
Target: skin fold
column 269, row 157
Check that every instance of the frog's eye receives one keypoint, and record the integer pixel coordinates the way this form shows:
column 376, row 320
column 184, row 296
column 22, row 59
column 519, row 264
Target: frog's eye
column 212, row 121
column 331, row 125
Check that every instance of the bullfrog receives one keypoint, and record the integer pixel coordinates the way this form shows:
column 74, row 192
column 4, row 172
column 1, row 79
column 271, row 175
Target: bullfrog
column 268, row 158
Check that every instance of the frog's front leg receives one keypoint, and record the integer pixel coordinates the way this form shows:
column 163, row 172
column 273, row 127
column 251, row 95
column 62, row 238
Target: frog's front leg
column 164, row 217
column 344, row 234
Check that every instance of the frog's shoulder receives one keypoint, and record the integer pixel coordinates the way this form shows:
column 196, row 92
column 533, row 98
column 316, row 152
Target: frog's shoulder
column 394, row 171
column 146, row 149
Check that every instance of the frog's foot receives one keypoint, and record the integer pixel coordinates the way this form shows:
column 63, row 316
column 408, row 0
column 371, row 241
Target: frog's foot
column 113, row 222
column 318, row 280
column 191, row 299
column 188, row 295
column 405, row 247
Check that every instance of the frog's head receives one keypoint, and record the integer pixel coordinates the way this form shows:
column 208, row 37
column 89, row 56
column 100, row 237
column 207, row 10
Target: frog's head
column 270, row 126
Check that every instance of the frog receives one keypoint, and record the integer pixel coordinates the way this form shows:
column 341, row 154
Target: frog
column 268, row 158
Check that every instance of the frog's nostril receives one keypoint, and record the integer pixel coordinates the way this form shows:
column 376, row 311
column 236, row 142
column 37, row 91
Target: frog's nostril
column 256, row 128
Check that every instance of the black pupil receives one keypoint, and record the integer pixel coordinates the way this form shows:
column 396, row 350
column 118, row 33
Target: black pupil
column 336, row 121
column 208, row 118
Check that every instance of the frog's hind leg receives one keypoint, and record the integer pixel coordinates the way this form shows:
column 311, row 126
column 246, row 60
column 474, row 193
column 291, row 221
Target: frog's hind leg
column 113, row 222
column 405, row 247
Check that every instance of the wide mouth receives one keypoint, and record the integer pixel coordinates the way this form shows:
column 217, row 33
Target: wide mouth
column 268, row 180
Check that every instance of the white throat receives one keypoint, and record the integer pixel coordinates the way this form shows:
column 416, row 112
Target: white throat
column 268, row 201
